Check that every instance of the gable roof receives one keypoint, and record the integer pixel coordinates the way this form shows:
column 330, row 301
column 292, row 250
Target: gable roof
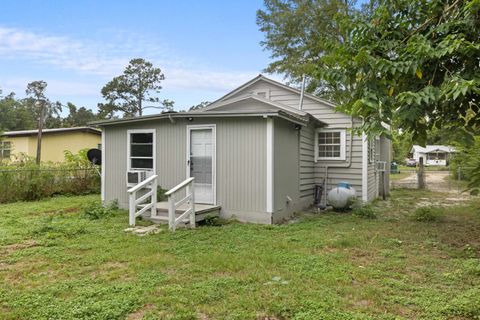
column 23, row 133
column 270, row 103
column 261, row 77
column 432, row 148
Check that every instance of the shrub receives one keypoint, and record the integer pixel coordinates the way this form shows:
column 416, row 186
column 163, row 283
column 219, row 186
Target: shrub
column 365, row 212
column 426, row 214
column 25, row 180
column 161, row 194
column 95, row 210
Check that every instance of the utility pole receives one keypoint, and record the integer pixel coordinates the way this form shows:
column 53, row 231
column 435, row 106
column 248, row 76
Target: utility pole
column 40, row 128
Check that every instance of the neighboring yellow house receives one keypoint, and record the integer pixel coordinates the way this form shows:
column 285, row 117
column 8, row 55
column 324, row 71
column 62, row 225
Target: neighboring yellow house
column 54, row 142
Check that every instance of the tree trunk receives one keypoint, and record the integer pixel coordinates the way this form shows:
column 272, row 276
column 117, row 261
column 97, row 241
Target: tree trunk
column 39, row 135
column 140, row 105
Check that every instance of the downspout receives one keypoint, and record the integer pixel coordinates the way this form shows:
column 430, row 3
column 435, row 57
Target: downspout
column 345, row 165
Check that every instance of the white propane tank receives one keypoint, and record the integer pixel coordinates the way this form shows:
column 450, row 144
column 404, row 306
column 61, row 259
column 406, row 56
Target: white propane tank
column 341, row 197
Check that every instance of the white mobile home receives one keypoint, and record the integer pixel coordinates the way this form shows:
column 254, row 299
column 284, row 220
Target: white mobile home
column 256, row 154
column 433, row 155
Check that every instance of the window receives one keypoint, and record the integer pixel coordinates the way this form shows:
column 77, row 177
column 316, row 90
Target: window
column 5, row 149
column 330, row 144
column 141, row 149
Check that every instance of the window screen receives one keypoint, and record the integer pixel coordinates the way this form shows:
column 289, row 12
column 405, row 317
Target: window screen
column 141, row 151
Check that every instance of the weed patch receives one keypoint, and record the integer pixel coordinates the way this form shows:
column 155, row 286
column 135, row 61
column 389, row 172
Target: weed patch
column 365, row 212
column 426, row 214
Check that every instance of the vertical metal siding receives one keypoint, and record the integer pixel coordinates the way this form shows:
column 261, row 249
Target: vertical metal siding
column 241, row 160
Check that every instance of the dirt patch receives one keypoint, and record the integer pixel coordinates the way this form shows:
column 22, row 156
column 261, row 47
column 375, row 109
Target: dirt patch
column 5, row 250
column 140, row 313
column 202, row 316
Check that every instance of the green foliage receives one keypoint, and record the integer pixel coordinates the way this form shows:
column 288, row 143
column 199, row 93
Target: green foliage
column 413, row 63
column 96, row 210
column 79, row 117
column 161, row 194
column 78, row 160
column 426, row 214
column 401, row 145
column 465, row 165
column 366, row 212
column 25, row 180
column 138, row 84
column 298, row 33
column 42, row 106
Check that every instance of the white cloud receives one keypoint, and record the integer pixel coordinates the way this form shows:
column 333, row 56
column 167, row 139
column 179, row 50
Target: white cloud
column 55, row 87
column 88, row 57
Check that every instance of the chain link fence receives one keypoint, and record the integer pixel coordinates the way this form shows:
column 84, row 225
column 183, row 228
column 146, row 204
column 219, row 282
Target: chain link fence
column 452, row 181
column 33, row 184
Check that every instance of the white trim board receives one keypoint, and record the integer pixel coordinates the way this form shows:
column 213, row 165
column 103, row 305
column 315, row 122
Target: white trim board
column 213, row 127
column 270, row 174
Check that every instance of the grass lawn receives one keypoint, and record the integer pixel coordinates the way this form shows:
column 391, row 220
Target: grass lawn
column 57, row 264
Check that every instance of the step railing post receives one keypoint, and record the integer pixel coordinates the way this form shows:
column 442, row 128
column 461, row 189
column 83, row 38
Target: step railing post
column 153, row 210
column 131, row 208
column 191, row 191
column 171, row 212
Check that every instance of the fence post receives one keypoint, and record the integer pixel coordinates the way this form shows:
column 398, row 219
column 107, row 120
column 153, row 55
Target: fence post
column 421, row 174
column 459, row 176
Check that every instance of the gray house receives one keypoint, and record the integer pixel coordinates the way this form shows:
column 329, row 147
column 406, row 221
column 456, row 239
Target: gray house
column 256, row 153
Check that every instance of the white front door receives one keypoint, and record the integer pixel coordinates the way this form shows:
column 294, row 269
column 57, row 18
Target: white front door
column 201, row 162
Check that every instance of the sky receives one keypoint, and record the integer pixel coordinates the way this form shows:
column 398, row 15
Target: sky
column 204, row 48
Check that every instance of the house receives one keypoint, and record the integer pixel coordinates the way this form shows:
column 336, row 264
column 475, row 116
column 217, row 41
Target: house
column 433, row 155
column 54, row 142
column 256, row 152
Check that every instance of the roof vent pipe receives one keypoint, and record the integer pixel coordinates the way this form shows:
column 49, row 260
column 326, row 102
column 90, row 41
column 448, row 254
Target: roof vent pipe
column 302, row 91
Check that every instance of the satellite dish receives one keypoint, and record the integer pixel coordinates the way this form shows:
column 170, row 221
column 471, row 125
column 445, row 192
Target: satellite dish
column 95, row 156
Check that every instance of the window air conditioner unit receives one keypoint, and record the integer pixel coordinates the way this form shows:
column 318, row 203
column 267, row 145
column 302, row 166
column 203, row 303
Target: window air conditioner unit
column 134, row 177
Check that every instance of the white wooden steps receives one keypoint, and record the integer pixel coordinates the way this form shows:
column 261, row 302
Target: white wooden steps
column 201, row 212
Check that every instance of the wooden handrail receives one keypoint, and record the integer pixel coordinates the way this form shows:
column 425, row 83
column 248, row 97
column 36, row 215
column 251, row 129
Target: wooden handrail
column 173, row 204
column 142, row 184
column 179, row 186
column 134, row 202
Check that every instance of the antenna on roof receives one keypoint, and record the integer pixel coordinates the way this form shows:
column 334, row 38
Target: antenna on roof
column 302, row 91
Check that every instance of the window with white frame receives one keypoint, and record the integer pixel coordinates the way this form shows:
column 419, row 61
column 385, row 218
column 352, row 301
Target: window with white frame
column 5, row 149
column 141, row 149
column 330, row 144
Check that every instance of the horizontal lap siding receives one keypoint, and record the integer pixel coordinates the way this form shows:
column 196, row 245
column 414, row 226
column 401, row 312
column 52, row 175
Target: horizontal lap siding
column 241, row 160
column 334, row 119
column 327, row 114
column 307, row 162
